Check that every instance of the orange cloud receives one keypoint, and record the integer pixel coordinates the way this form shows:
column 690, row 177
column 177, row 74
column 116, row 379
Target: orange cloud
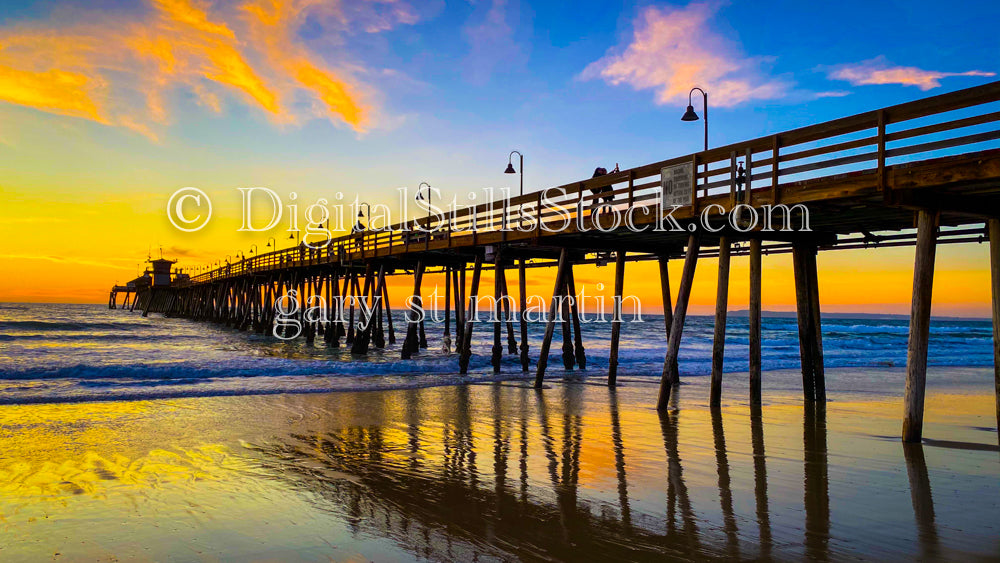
column 674, row 49
column 56, row 91
column 272, row 25
column 121, row 72
column 879, row 71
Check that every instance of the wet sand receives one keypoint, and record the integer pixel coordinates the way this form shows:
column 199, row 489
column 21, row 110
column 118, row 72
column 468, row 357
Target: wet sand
column 500, row 472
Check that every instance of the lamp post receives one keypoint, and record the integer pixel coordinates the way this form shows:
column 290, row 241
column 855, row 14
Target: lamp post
column 520, row 166
column 253, row 249
column 294, row 236
column 420, row 197
column 690, row 115
column 362, row 215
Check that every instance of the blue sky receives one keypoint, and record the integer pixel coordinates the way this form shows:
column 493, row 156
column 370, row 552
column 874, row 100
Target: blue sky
column 466, row 82
column 107, row 107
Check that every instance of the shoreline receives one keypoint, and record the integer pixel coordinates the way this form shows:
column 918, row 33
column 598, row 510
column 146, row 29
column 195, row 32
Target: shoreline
column 781, row 380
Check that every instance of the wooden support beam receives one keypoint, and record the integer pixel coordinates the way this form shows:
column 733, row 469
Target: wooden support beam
column 806, row 323
column 496, row 313
column 668, row 309
column 388, row 313
column 411, row 343
column 819, row 372
column 667, row 380
column 994, row 229
column 378, row 301
column 368, row 313
column 755, row 322
column 550, row 323
column 721, row 311
column 574, row 307
column 459, row 299
column 331, row 327
column 337, row 329
column 310, row 326
column 470, row 316
column 616, row 320
column 350, row 290
column 446, row 344
column 507, row 306
column 920, row 316
column 523, row 316
column 567, row 338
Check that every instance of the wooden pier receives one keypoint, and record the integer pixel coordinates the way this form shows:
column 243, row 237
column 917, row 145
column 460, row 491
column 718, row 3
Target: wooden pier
column 923, row 173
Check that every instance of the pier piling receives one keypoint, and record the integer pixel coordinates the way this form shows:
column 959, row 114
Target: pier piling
column 920, row 316
column 721, row 310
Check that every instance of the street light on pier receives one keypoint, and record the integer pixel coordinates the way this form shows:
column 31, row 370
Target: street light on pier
column 520, row 166
column 271, row 240
column 420, row 197
column 362, row 215
column 690, row 115
column 253, row 249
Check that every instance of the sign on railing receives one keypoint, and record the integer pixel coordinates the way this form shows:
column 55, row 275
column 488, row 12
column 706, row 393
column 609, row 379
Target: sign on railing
column 675, row 183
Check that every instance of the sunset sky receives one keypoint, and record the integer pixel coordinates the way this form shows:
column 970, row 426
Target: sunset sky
column 107, row 107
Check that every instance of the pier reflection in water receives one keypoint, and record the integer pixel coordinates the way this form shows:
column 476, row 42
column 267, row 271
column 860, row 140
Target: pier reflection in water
column 570, row 473
column 497, row 471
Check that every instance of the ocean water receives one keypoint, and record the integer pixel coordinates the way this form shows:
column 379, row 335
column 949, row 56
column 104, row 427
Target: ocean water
column 61, row 353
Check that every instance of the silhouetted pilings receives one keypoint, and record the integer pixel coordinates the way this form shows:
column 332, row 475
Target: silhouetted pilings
column 884, row 187
column 351, row 302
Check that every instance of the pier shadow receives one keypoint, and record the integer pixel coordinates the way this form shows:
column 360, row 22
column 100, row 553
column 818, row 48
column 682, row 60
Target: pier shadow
column 760, row 480
column 506, row 472
column 923, row 501
column 816, row 482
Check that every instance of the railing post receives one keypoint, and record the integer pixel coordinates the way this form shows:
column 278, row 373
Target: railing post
column 451, row 225
column 775, row 146
column 732, row 179
column 631, row 188
column 503, row 222
column 538, row 216
column 694, row 182
column 880, row 175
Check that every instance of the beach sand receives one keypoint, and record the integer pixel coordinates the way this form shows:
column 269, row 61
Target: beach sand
column 500, row 471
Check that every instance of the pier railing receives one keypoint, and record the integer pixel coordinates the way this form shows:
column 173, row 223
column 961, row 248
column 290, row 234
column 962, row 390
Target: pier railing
column 805, row 164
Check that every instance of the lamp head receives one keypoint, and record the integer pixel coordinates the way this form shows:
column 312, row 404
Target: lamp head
column 510, row 169
column 361, row 213
column 690, row 115
column 291, row 236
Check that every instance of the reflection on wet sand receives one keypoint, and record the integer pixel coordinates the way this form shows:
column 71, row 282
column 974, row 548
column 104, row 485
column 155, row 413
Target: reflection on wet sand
column 817, row 494
column 725, row 490
column 923, row 503
column 429, row 504
column 569, row 473
column 760, row 479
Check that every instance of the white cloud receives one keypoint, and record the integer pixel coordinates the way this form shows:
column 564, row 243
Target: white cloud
column 673, row 49
column 880, row 71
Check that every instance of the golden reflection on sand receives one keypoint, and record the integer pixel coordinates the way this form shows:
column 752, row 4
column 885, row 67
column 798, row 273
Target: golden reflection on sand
column 502, row 471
